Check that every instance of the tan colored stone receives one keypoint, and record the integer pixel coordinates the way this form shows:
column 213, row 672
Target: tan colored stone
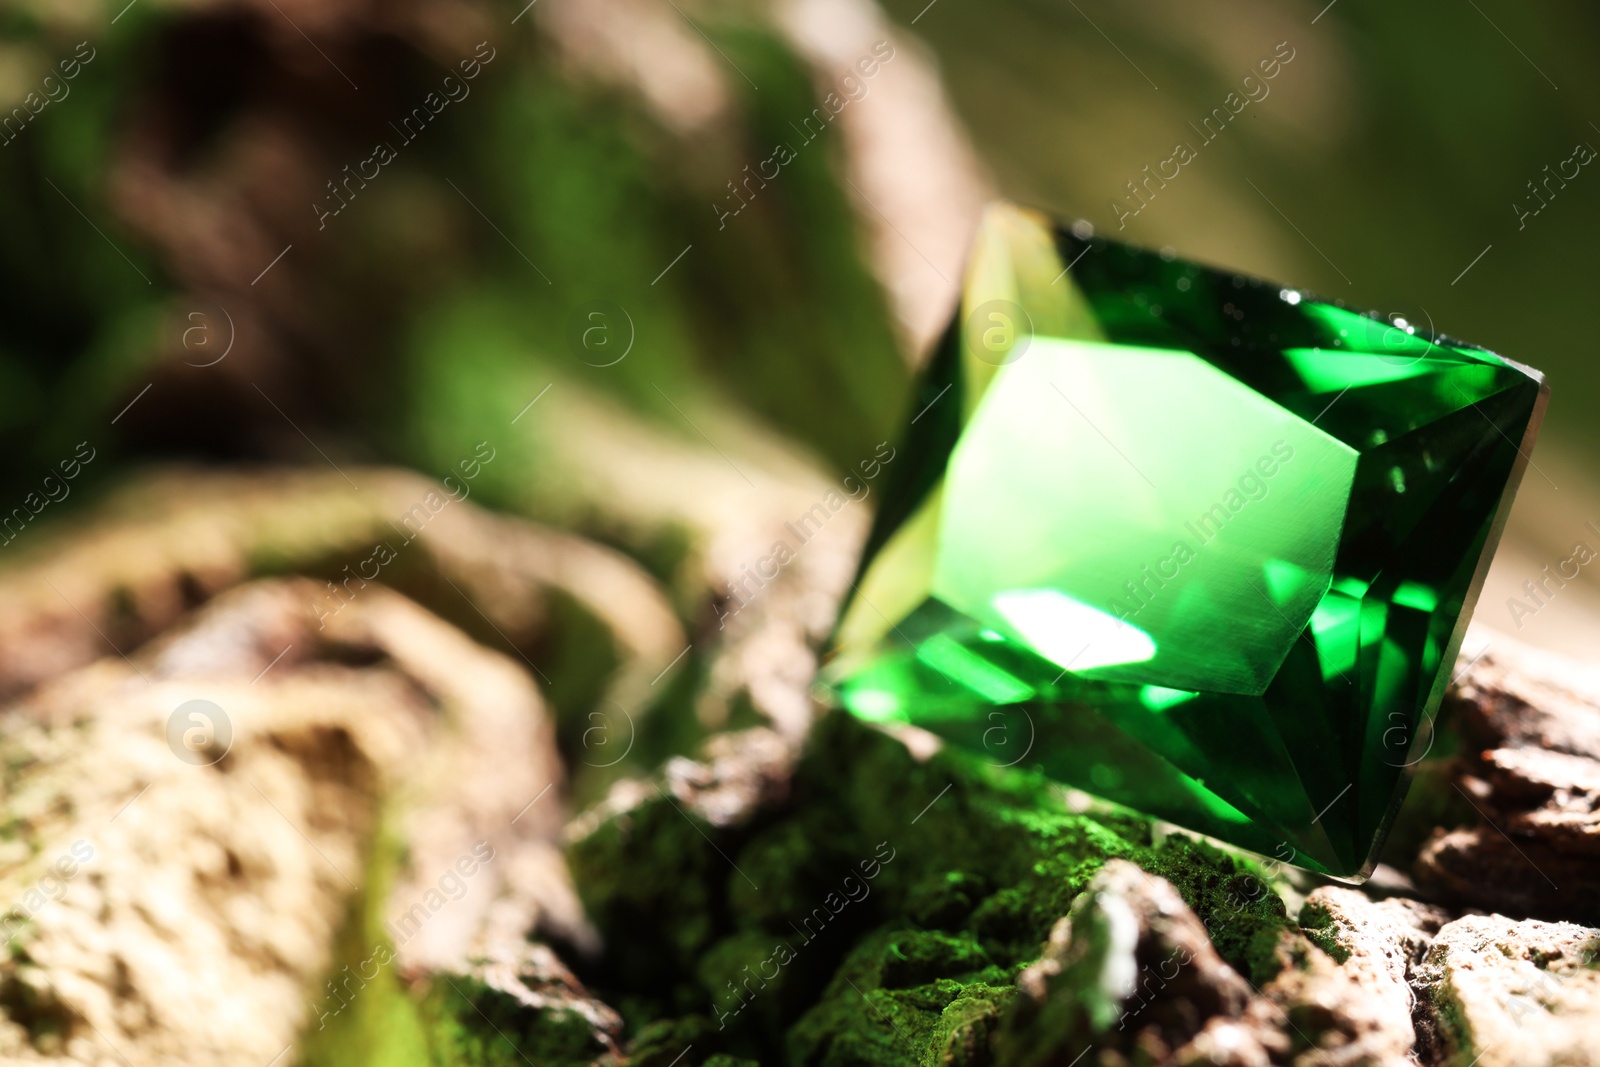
column 199, row 915
column 1503, row 993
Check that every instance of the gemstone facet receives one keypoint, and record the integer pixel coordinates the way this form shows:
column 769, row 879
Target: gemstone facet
column 1197, row 544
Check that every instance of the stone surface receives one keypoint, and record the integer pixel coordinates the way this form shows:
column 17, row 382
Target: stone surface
column 739, row 775
column 1500, row 992
column 733, row 890
column 209, row 898
column 1130, row 969
column 169, row 540
column 877, row 910
column 1357, row 998
column 1131, row 976
column 1524, row 790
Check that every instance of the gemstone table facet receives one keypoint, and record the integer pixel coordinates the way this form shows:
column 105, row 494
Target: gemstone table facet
column 1194, row 543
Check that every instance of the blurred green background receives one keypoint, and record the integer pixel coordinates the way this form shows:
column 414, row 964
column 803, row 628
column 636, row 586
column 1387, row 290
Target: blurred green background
column 1396, row 142
column 169, row 206
column 589, row 255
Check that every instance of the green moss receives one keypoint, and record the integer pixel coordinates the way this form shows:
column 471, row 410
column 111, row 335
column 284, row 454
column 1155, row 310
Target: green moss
column 945, row 900
column 1452, row 1019
column 913, row 958
column 469, row 1024
column 966, row 1026
column 903, row 997
column 656, row 880
column 1317, row 924
column 664, row 1042
column 361, row 1014
column 883, row 914
column 754, row 980
column 1234, row 897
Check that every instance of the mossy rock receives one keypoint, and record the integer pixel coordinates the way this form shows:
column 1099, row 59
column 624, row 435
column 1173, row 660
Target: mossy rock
column 470, row 1024
column 882, row 914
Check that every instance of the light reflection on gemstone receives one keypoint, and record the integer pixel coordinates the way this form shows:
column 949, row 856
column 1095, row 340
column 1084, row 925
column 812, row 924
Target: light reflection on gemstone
column 957, row 663
column 1211, row 561
column 1070, row 633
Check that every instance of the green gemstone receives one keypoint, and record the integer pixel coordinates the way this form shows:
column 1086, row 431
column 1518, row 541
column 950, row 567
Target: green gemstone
column 1194, row 543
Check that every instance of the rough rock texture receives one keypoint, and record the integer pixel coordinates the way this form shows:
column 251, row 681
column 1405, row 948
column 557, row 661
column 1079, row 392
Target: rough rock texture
column 1129, row 969
column 830, row 897
column 164, row 543
column 213, row 864
column 1527, row 788
column 1355, row 997
column 852, row 898
column 824, row 897
column 1500, row 992
column 1073, row 940
column 876, row 909
column 526, row 1001
column 1131, row 976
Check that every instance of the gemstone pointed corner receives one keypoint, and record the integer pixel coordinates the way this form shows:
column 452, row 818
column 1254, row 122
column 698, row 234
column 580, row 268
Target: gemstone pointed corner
column 1197, row 544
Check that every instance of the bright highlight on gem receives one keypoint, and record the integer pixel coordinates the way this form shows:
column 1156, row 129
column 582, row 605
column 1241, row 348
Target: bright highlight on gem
column 1069, row 633
column 1205, row 545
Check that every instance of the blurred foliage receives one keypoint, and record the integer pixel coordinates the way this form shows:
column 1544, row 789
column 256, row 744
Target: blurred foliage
column 1415, row 127
column 430, row 320
column 1396, row 141
column 430, row 312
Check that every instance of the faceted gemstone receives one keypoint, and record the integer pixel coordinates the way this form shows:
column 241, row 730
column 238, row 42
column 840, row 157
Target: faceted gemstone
column 1197, row 544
